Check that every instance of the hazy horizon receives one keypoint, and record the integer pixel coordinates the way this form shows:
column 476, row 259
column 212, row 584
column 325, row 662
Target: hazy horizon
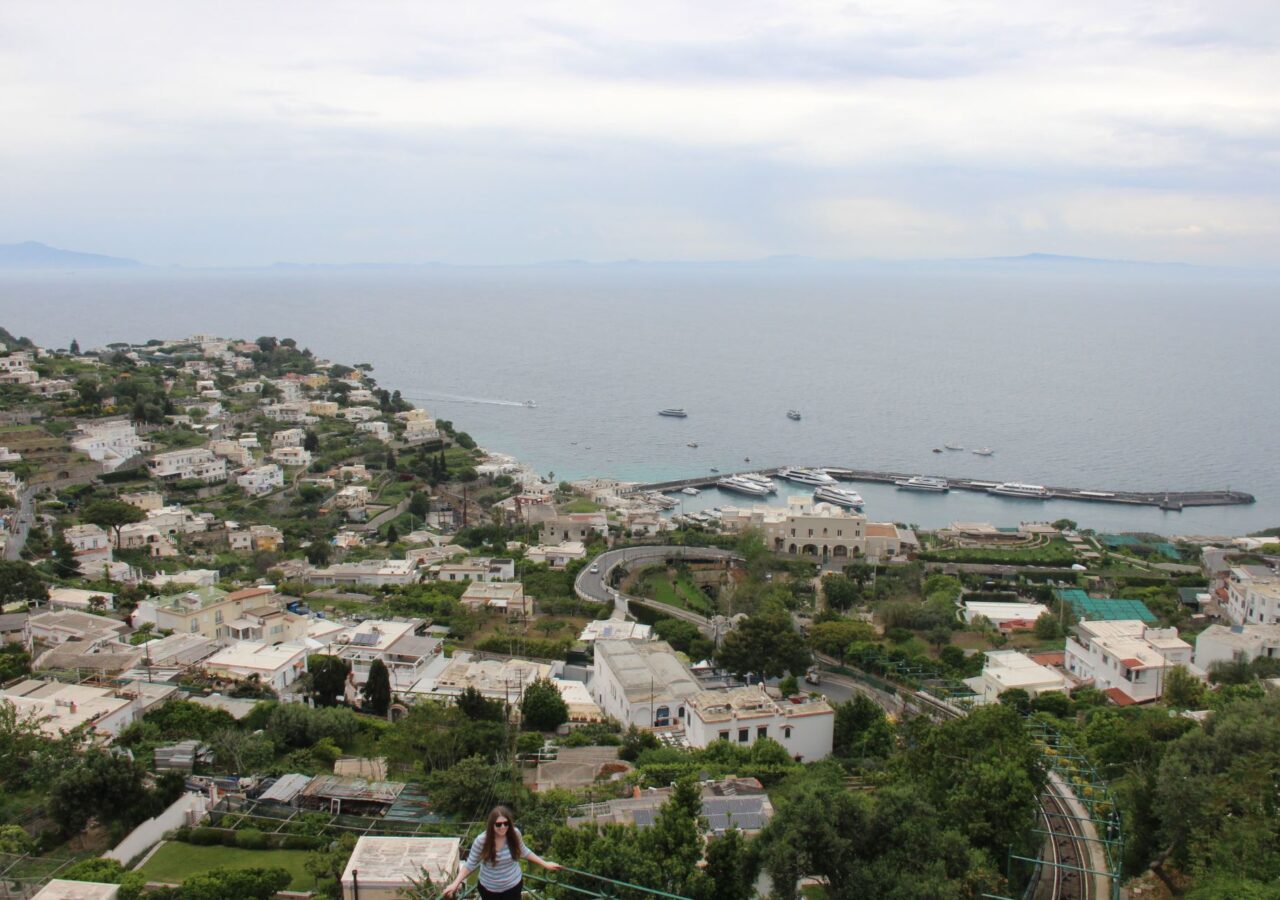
column 239, row 134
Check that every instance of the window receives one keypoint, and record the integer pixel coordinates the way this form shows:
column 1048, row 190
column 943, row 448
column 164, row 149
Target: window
column 744, row 734
column 786, row 732
column 810, row 532
column 724, row 735
column 839, row 532
column 217, row 617
column 762, row 732
column 195, row 626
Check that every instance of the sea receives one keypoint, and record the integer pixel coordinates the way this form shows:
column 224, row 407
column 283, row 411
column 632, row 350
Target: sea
column 1088, row 375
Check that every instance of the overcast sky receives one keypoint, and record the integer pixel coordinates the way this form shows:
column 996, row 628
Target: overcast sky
column 221, row 133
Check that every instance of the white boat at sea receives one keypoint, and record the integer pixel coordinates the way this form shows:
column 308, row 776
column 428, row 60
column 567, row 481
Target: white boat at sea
column 674, row 412
column 691, row 491
column 984, row 451
column 742, row 486
column 763, row 480
column 838, row 496
column 805, row 476
column 1017, row 489
column 924, row 483
column 953, row 446
column 530, row 404
column 793, row 415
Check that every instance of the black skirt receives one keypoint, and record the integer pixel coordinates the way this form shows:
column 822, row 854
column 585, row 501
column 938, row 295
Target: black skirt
column 511, row 893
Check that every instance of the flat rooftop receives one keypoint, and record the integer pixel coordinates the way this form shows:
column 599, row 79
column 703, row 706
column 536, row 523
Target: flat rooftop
column 397, row 861
column 647, row 669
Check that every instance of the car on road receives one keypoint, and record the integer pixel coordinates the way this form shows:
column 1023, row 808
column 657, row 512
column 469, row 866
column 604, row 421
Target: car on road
column 595, row 569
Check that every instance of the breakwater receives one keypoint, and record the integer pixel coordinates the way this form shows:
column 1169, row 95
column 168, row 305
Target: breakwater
column 1168, row 500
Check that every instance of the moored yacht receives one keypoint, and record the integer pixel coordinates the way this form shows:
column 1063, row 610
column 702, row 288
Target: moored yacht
column 691, row 491
column 805, row 476
column 742, row 486
column 793, row 415
column 839, row 496
column 923, row 483
column 763, row 480
column 953, row 446
column 1016, row 489
column 984, row 451
column 674, row 412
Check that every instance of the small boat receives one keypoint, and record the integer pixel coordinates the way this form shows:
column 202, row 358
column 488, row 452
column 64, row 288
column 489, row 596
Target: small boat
column 530, row 404
column 937, row 449
column 953, row 446
column 674, row 413
column 793, row 415
column 746, row 459
column 717, row 471
column 984, row 451
column 691, row 491
column 692, row 444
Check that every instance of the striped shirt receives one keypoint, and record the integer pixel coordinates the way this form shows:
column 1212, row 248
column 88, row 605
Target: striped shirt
column 501, row 875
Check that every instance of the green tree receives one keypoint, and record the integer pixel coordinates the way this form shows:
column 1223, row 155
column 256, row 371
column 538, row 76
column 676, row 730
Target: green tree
column 841, row 592
column 311, row 442
column 327, row 865
column 319, row 552
column 731, row 869
column 328, row 676
column 542, row 708
column 107, row 871
column 235, row 884
column 1046, row 628
column 1182, row 690
column 833, row 638
column 765, row 644
column 64, row 556
column 471, row 787
column 476, row 705
column 813, row 832
column 377, row 689
column 861, row 729
column 393, row 533
column 419, row 505
column 113, row 514
column 19, row 583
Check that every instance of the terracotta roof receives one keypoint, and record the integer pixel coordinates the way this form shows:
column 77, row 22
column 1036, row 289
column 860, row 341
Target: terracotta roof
column 1132, row 663
column 246, row 593
column 1055, row 658
column 877, row 530
column 1119, row 697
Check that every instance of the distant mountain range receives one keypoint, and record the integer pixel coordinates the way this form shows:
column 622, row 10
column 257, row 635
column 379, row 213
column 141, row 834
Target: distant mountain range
column 34, row 255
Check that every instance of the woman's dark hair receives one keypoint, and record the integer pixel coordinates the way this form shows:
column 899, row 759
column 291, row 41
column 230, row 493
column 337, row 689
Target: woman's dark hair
column 490, row 854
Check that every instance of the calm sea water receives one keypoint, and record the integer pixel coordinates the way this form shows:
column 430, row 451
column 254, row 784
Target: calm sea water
column 1087, row 377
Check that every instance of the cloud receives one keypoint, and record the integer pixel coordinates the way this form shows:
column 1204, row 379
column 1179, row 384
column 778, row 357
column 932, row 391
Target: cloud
column 743, row 129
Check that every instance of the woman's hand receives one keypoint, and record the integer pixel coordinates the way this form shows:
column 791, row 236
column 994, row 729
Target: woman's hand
column 551, row 867
column 452, row 889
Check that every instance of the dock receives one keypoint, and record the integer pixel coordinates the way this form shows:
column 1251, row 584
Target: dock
column 1167, row 500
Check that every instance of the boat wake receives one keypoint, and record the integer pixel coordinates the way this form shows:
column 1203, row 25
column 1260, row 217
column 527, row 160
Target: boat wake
column 475, row 401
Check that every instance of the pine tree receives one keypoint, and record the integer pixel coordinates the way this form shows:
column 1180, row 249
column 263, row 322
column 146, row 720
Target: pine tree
column 377, row 690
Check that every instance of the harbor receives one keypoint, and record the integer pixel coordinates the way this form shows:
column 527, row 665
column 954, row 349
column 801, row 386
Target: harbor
column 1165, row 500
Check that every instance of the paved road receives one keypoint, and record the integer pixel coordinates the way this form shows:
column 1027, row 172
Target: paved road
column 594, row 586
column 25, row 515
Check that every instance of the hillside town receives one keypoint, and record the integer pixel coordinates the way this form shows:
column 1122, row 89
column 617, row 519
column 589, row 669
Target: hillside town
column 270, row 627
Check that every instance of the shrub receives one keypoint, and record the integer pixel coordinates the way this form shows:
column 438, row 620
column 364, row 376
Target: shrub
column 302, row 842
column 205, row 835
column 251, row 839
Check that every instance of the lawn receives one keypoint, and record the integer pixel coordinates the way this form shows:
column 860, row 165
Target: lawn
column 176, row 861
column 580, row 505
column 682, row 593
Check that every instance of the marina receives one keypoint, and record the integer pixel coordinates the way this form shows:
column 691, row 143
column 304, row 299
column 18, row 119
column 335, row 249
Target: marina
column 1166, row 500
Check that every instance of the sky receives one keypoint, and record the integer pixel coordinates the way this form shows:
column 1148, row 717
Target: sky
column 246, row 133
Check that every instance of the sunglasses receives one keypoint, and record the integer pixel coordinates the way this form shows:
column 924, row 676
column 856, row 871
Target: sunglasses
column 501, row 824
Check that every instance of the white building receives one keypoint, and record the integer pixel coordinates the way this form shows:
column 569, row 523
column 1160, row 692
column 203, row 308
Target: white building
column 1126, row 659
column 1004, row 615
column 642, row 683
column 275, row 665
column 111, row 442
column 291, row 456
column 496, row 679
column 506, row 597
column 262, row 480
column 1008, row 669
column 197, row 463
column 379, row 430
column 1222, row 644
column 75, row 598
column 72, row 625
column 477, row 568
column 615, row 630
column 804, row 726
column 557, row 556
column 385, row 868
column 1253, row 596
column 579, row 527
column 288, row 437
column 375, row 572
column 60, row 708
column 402, row 646
column 233, row 451
column 353, row 496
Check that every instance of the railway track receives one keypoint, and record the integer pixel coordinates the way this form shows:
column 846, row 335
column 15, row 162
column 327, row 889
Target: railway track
column 1065, row 877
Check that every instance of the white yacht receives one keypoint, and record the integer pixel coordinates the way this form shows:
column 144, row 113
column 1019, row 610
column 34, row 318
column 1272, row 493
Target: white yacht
column 742, row 486
column 674, row 412
column 691, row 491
column 953, row 446
column 763, row 480
column 839, row 496
column 1015, row 489
column 923, row 483
column 984, row 451
column 806, row 476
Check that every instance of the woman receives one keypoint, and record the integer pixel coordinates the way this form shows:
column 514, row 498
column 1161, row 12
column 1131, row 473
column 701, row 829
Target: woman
column 496, row 853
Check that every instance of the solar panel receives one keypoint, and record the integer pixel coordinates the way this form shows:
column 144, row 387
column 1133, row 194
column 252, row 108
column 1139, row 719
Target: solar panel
column 365, row 639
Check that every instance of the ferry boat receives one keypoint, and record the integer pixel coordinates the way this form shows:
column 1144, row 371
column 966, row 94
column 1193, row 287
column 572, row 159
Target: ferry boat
column 953, row 446
column 793, row 415
column 839, row 496
column 674, row 413
column 691, row 491
column 984, row 451
column 742, row 486
column 923, row 483
column 806, row 476
column 762, row 480
column 1016, row 489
